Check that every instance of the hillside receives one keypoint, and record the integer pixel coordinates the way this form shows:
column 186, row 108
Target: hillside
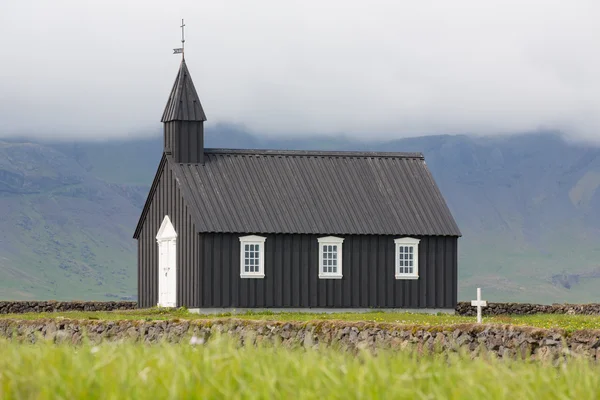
column 528, row 207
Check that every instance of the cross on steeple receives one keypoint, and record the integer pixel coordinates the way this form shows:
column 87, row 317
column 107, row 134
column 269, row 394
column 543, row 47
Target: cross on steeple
column 182, row 39
column 181, row 49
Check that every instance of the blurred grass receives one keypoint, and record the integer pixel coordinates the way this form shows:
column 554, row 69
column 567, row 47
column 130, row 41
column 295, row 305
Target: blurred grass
column 219, row 369
column 569, row 323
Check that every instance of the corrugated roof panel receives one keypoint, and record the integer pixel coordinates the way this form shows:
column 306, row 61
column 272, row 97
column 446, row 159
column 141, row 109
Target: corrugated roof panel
column 336, row 193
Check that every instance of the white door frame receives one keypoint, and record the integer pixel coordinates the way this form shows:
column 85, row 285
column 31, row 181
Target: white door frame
column 166, row 239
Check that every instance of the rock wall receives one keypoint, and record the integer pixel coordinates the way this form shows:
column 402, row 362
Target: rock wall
column 19, row 307
column 505, row 341
column 465, row 308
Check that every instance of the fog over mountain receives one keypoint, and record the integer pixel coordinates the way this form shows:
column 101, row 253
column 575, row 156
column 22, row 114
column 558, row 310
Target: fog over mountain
column 382, row 69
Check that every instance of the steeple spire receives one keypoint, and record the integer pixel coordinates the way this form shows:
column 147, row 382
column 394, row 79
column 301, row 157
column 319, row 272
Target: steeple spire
column 184, row 103
column 184, row 117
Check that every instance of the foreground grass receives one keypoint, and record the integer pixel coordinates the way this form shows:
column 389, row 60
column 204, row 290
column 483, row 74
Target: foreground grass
column 568, row 322
column 220, row 370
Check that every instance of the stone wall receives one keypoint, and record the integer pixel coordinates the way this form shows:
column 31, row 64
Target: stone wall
column 465, row 308
column 505, row 341
column 19, row 307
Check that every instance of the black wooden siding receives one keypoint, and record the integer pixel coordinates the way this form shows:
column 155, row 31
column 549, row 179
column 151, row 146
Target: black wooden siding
column 291, row 274
column 167, row 200
column 185, row 141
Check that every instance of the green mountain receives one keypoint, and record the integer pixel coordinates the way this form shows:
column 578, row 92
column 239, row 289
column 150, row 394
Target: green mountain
column 528, row 207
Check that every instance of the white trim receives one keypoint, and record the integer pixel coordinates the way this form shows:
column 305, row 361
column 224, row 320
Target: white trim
column 256, row 240
column 166, row 239
column 407, row 241
column 166, row 230
column 327, row 241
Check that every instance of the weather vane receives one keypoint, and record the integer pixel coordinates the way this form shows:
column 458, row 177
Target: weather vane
column 180, row 50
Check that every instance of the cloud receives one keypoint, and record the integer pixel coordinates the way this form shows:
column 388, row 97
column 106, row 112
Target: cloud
column 389, row 69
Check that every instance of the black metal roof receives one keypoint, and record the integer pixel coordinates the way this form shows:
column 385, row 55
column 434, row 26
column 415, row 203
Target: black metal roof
column 314, row 192
column 184, row 103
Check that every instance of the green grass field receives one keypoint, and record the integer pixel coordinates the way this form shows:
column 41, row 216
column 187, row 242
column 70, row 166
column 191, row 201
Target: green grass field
column 569, row 323
column 221, row 370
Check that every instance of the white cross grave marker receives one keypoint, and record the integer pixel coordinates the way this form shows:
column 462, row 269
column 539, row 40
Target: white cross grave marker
column 478, row 303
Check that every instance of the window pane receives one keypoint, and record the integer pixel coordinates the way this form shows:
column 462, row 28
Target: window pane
column 334, row 269
column 410, row 249
column 410, row 270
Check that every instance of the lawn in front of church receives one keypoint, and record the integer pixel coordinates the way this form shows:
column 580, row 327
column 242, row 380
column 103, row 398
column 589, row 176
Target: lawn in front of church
column 560, row 321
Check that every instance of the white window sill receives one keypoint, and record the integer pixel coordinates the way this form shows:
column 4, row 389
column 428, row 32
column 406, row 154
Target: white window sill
column 255, row 276
column 330, row 276
column 407, row 276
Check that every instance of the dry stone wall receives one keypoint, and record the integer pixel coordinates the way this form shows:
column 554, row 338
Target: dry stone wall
column 505, row 341
column 19, row 307
column 465, row 308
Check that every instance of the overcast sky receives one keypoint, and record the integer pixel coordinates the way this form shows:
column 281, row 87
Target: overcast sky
column 388, row 68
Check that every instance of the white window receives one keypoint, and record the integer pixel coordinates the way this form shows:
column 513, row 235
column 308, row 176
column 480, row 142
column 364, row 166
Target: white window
column 407, row 258
column 330, row 257
column 252, row 257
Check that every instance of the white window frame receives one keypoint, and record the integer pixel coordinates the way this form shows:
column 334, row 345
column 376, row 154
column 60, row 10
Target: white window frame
column 327, row 241
column 407, row 241
column 255, row 240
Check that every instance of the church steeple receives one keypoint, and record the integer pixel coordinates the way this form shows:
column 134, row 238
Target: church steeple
column 184, row 103
column 183, row 120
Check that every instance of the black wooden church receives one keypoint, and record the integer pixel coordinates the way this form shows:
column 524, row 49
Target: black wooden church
column 256, row 229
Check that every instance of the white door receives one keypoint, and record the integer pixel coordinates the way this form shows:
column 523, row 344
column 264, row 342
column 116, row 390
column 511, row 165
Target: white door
column 167, row 264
